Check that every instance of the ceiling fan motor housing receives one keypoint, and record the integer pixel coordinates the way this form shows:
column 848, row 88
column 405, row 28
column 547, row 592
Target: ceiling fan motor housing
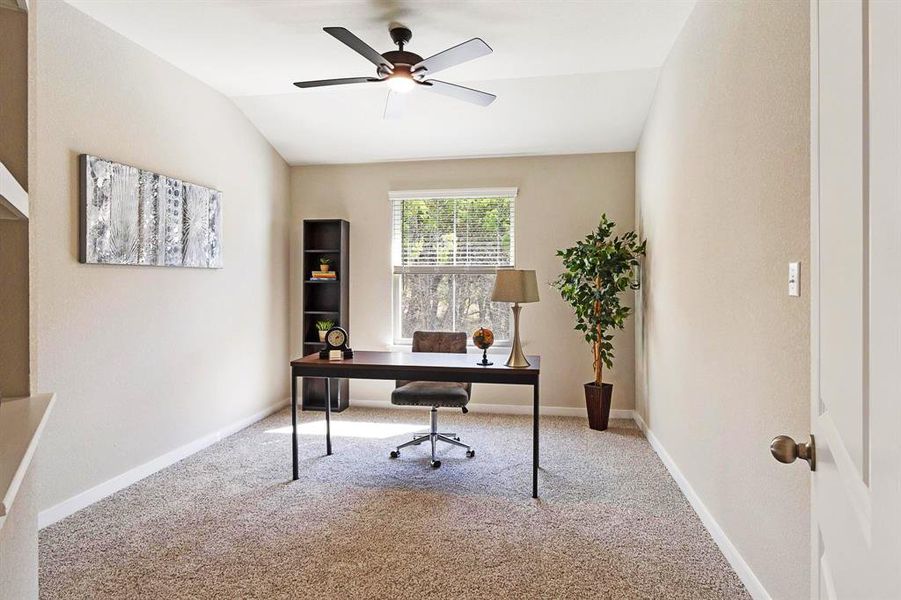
column 402, row 58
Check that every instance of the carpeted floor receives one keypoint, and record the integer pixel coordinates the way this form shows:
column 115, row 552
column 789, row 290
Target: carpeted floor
column 228, row 522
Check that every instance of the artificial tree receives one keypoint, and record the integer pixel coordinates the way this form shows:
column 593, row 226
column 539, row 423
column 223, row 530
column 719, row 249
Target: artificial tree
column 597, row 270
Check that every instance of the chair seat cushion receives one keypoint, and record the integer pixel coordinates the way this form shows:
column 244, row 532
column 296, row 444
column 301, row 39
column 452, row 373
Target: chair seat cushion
column 431, row 393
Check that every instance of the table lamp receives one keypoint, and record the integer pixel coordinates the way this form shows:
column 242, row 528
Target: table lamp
column 515, row 285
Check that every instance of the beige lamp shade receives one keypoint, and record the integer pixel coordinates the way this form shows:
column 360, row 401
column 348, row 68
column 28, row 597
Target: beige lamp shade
column 515, row 285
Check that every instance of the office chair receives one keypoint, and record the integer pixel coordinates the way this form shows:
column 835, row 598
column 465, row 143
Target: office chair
column 434, row 393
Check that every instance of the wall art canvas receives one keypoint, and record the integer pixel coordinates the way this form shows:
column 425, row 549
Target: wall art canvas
column 130, row 216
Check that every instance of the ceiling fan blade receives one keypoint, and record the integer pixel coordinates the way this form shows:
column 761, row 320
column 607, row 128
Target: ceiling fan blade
column 460, row 53
column 395, row 106
column 359, row 46
column 459, row 92
column 325, row 82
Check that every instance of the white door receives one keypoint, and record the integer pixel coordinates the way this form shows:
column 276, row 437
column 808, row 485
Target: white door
column 856, row 298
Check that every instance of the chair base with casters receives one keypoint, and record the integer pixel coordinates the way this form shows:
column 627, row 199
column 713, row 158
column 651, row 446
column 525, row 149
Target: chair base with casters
column 435, row 394
column 434, row 436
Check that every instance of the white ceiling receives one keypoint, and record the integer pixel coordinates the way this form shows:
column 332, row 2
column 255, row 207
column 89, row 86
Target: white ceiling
column 570, row 76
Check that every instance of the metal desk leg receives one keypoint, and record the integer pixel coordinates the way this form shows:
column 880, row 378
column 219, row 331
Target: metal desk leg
column 535, row 441
column 293, row 426
column 328, row 416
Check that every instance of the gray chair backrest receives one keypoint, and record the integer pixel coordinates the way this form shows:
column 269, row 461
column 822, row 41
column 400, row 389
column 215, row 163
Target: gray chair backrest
column 439, row 341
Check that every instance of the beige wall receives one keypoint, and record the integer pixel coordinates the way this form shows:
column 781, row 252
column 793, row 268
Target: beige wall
column 146, row 359
column 14, row 375
column 14, row 93
column 722, row 197
column 560, row 200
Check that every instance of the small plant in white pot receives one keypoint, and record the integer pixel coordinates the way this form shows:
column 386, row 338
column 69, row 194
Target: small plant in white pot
column 325, row 263
column 323, row 327
column 598, row 270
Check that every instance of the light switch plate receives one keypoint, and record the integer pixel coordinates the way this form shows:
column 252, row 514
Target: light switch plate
column 794, row 279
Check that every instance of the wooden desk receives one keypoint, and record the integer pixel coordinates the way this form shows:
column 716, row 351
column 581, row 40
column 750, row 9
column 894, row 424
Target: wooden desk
column 419, row 366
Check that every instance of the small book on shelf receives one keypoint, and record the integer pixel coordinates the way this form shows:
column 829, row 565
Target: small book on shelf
column 323, row 275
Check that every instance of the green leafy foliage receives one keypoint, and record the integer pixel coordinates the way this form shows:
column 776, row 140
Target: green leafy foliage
column 597, row 270
column 324, row 325
column 456, row 231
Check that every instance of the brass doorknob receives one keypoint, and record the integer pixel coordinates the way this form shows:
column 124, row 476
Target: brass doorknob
column 785, row 450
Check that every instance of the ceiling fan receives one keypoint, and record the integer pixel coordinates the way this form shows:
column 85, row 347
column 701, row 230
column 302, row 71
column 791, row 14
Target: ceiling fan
column 403, row 70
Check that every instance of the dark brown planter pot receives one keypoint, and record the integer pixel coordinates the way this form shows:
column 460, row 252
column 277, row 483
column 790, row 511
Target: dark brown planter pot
column 597, row 399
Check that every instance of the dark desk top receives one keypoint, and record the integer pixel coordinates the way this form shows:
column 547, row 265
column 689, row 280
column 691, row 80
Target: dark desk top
column 423, row 366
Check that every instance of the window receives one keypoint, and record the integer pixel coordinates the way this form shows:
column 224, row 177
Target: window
column 447, row 246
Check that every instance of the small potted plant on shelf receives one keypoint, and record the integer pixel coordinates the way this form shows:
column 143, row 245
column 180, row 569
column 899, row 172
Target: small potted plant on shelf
column 598, row 270
column 323, row 327
column 325, row 263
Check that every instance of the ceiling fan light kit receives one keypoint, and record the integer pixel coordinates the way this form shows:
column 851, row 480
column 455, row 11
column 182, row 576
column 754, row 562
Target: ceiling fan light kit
column 401, row 80
column 404, row 71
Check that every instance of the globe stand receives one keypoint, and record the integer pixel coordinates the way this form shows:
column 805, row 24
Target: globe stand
column 484, row 362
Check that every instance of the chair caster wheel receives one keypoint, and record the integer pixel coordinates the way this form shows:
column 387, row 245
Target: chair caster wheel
column 394, row 454
column 470, row 453
column 435, row 463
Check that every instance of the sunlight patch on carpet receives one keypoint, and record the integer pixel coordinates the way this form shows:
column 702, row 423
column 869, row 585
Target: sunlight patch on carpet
column 356, row 429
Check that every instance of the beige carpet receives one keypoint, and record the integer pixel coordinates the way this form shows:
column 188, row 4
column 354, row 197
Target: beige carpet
column 228, row 523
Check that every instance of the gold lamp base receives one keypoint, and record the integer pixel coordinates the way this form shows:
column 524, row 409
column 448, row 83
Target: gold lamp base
column 517, row 359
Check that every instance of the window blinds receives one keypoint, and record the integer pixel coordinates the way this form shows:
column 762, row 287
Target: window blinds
column 453, row 231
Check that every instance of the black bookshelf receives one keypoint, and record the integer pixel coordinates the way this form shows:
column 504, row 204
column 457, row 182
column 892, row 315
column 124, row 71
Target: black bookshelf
column 325, row 300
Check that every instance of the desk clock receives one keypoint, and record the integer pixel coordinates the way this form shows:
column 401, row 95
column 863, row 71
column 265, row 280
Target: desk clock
column 336, row 345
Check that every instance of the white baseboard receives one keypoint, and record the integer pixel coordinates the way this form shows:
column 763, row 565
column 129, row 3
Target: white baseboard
column 111, row 486
column 742, row 569
column 505, row 409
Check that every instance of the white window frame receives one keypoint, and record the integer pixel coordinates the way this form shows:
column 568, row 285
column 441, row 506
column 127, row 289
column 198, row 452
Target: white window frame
column 400, row 195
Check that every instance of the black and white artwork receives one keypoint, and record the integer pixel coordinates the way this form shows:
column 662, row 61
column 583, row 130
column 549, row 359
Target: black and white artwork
column 134, row 217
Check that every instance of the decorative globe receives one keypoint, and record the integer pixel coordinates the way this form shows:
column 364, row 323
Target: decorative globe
column 483, row 338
